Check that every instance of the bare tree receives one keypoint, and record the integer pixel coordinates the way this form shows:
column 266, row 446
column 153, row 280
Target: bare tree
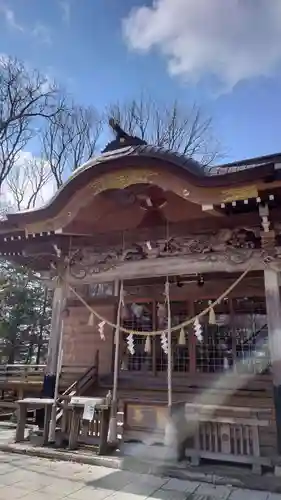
column 70, row 140
column 27, row 182
column 26, row 98
column 174, row 127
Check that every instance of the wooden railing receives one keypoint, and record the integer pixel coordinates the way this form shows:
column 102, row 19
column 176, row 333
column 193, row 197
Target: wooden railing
column 19, row 373
column 79, row 377
column 79, row 386
column 76, row 380
column 224, row 433
column 70, row 374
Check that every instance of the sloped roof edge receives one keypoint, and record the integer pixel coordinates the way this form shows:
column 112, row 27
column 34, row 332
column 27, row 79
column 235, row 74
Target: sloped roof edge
column 204, row 176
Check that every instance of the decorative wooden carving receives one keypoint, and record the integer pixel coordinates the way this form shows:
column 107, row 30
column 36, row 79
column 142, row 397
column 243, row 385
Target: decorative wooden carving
column 236, row 194
column 235, row 246
column 123, row 179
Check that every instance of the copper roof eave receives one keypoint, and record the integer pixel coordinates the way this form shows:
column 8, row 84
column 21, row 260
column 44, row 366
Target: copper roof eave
column 185, row 168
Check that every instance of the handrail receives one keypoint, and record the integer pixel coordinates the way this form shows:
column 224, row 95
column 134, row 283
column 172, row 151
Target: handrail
column 255, row 334
column 79, row 384
column 23, row 367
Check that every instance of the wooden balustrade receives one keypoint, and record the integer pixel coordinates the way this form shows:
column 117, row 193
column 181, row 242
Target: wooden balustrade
column 222, row 433
column 226, row 433
column 24, row 374
column 19, row 373
column 18, row 379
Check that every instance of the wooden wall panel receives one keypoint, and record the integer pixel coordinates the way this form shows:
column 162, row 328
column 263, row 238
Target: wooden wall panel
column 81, row 341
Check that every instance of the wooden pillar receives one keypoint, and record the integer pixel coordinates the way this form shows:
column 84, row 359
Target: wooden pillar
column 192, row 340
column 49, row 382
column 114, row 406
column 273, row 307
column 56, row 325
column 170, row 353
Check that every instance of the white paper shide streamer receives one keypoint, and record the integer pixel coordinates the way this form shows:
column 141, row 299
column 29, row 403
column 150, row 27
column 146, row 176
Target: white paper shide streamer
column 130, row 344
column 198, row 330
column 101, row 326
column 164, row 342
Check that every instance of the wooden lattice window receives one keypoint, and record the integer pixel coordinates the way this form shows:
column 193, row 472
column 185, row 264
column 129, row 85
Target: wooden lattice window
column 251, row 335
column 101, row 290
column 237, row 341
column 180, row 353
column 139, row 317
column 213, row 353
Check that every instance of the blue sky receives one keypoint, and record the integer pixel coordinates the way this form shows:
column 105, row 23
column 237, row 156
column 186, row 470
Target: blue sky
column 225, row 59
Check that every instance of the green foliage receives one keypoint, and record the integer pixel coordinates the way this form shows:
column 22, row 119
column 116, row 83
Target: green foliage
column 25, row 316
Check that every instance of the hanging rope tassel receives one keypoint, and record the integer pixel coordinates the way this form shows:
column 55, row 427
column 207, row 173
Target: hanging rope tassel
column 91, row 320
column 124, row 364
column 147, row 345
column 212, row 315
column 181, row 340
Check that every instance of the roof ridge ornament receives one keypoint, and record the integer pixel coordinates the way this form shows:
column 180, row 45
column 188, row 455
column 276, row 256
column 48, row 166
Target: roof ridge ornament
column 122, row 138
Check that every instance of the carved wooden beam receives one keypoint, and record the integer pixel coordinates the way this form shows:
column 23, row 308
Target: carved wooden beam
column 228, row 261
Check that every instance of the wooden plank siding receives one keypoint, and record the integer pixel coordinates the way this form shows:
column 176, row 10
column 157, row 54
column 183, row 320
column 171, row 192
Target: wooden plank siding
column 81, row 341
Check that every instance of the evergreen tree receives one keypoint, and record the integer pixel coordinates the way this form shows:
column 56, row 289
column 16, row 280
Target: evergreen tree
column 25, row 316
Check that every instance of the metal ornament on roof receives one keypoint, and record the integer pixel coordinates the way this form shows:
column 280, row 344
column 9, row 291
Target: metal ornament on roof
column 122, row 138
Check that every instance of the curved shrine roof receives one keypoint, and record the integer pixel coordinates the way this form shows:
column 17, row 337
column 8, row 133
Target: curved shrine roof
column 130, row 156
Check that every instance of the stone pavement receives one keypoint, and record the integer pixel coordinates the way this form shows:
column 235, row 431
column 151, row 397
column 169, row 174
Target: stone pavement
column 31, row 478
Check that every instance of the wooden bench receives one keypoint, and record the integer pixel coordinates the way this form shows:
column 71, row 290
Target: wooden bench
column 27, row 404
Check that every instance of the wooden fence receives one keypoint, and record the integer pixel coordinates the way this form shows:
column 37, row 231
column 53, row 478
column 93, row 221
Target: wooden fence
column 17, row 373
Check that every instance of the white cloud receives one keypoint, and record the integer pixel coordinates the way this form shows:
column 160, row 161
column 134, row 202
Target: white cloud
column 66, row 11
column 231, row 40
column 42, row 33
column 10, row 18
column 39, row 31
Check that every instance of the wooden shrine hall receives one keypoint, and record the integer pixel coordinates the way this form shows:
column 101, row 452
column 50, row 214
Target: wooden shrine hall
column 169, row 271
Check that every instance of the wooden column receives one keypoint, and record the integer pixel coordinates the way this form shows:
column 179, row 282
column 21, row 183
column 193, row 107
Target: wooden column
column 112, row 436
column 49, row 382
column 56, row 325
column 53, row 348
column 191, row 340
column 273, row 306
